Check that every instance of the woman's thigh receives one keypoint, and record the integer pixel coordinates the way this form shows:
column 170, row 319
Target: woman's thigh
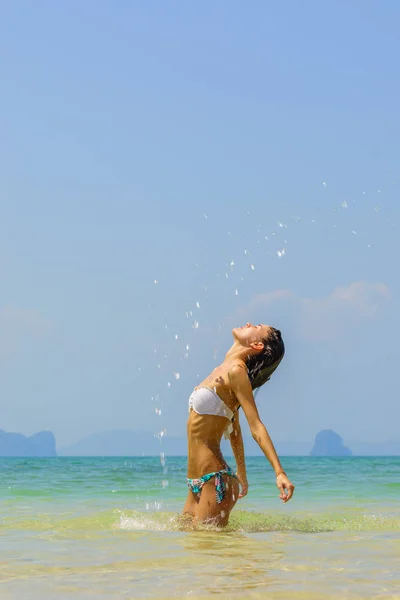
column 190, row 504
column 208, row 509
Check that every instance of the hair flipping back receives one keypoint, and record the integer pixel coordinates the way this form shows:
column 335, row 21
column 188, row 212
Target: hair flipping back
column 261, row 366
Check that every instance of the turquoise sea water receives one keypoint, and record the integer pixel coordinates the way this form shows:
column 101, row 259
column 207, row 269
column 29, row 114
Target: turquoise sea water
column 110, row 528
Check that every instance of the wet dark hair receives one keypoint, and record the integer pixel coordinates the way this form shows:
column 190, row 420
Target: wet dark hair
column 261, row 366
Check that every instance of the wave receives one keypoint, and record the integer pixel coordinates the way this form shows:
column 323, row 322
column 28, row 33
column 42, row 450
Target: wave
column 240, row 521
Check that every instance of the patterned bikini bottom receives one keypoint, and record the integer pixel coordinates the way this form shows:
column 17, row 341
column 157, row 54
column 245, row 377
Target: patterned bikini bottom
column 195, row 485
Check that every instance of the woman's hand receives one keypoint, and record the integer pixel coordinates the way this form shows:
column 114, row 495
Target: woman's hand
column 243, row 484
column 285, row 487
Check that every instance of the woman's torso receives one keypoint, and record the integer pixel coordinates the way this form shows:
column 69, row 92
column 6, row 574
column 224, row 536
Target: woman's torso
column 205, row 431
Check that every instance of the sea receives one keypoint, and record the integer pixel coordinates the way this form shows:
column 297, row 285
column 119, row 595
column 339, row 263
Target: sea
column 102, row 528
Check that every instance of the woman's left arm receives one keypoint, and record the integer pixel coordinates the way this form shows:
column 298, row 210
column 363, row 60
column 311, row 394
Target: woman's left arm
column 236, row 440
column 242, row 388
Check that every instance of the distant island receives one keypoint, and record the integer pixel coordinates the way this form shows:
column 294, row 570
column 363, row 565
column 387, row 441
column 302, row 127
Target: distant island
column 329, row 443
column 42, row 444
column 127, row 442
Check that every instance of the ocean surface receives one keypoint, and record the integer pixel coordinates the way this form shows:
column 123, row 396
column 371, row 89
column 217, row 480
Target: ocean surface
column 109, row 528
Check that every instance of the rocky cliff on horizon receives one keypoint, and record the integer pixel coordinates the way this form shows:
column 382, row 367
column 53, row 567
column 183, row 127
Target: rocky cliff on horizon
column 40, row 445
column 329, row 443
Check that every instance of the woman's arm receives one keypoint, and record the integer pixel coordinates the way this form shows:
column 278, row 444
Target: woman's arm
column 242, row 388
column 236, row 440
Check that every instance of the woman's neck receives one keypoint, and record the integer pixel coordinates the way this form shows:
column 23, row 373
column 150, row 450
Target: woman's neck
column 237, row 352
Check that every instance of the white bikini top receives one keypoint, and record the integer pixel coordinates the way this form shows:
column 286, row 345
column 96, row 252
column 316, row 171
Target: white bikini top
column 205, row 401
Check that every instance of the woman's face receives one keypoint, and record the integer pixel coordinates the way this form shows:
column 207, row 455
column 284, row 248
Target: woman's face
column 251, row 334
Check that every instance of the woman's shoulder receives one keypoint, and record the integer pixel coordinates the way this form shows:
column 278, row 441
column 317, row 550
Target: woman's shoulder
column 234, row 368
column 235, row 365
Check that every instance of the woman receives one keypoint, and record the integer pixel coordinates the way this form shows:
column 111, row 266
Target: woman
column 213, row 411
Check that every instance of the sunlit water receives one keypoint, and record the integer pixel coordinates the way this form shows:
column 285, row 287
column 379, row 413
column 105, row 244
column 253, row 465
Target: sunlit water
column 109, row 528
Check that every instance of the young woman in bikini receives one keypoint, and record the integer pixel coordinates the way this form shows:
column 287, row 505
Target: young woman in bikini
column 213, row 411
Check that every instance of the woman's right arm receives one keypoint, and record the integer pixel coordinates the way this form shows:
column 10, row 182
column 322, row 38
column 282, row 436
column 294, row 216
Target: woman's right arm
column 242, row 388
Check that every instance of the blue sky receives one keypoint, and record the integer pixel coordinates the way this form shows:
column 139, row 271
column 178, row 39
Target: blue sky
column 148, row 142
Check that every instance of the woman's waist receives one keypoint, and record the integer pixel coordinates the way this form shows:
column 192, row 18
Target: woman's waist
column 204, row 458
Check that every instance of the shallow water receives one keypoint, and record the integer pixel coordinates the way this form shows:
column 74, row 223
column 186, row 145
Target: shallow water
column 109, row 528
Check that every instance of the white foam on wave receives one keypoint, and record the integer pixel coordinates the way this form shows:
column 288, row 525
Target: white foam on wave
column 142, row 522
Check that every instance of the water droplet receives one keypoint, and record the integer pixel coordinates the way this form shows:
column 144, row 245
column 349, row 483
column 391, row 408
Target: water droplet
column 266, row 238
column 195, row 325
column 246, row 251
column 155, row 282
column 158, row 366
column 162, row 459
column 344, row 204
column 252, row 267
column 164, row 483
column 177, row 375
column 324, row 184
column 226, row 275
column 176, row 336
column 169, row 384
column 281, row 253
column 232, row 264
column 377, row 208
column 205, row 216
column 198, row 304
column 187, row 347
column 237, row 292
column 354, row 232
column 158, row 411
